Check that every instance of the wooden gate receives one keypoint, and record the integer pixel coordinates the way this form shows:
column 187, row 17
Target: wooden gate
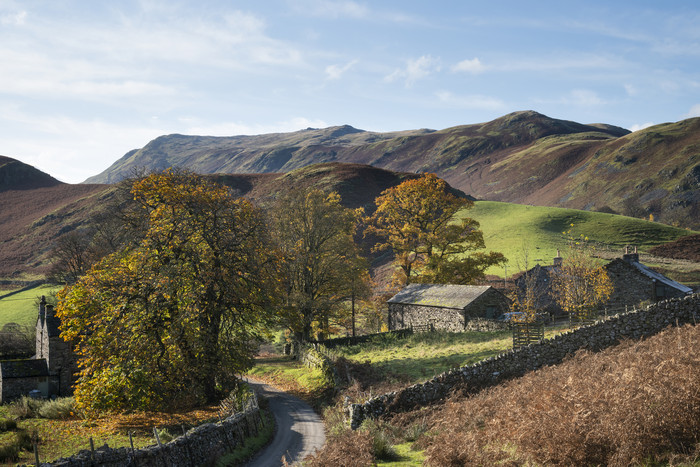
column 525, row 334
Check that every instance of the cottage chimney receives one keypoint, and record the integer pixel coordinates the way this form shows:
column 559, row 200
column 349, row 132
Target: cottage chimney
column 42, row 310
column 631, row 257
column 558, row 260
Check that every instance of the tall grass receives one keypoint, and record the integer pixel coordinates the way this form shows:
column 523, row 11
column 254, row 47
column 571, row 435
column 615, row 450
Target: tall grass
column 631, row 404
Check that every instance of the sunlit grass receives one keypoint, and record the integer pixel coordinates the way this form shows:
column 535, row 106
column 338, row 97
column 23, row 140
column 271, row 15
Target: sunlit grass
column 289, row 374
column 535, row 233
column 421, row 356
column 22, row 307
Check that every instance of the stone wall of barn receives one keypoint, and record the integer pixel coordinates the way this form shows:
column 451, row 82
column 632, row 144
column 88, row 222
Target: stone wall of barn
column 405, row 316
column 492, row 302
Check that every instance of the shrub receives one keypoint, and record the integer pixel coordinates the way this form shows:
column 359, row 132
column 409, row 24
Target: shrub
column 164, row 435
column 9, row 452
column 626, row 405
column 57, row 409
column 7, row 424
column 24, row 407
column 382, row 439
column 349, row 449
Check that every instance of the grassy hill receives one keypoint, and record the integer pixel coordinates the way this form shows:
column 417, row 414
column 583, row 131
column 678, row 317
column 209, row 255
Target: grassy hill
column 529, row 235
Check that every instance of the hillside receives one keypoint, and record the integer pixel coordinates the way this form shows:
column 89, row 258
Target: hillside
column 32, row 219
column 523, row 157
column 16, row 175
column 529, row 235
column 628, row 405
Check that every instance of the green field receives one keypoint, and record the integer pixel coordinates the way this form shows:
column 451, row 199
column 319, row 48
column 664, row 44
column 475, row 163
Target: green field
column 529, row 235
column 22, row 307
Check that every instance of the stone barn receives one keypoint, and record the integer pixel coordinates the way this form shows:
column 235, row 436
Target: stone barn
column 448, row 307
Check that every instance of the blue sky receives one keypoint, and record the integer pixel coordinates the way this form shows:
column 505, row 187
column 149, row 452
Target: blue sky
column 83, row 82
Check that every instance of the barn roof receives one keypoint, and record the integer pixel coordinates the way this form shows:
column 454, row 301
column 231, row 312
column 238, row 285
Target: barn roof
column 658, row 277
column 23, row 368
column 439, row 295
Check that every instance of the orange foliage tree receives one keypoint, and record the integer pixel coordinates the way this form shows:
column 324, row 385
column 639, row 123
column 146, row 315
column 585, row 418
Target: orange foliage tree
column 417, row 221
column 172, row 317
column 581, row 285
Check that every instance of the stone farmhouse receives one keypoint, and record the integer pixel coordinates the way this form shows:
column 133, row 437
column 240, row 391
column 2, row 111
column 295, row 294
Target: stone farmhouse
column 443, row 306
column 52, row 370
column 634, row 283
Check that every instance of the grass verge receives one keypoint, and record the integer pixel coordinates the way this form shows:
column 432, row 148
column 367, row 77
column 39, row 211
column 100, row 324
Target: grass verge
column 252, row 445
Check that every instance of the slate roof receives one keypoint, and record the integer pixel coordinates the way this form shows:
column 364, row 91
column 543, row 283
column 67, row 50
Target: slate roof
column 439, row 295
column 23, row 368
column 661, row 278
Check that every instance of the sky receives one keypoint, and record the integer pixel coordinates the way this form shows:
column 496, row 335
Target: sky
column 84, row 82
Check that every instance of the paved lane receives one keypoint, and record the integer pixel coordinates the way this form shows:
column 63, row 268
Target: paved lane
column 299, row 429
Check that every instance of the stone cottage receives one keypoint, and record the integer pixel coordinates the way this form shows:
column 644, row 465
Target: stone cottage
column 633, row 283
column 444, row 306
column 52, row 370
column 636, row 283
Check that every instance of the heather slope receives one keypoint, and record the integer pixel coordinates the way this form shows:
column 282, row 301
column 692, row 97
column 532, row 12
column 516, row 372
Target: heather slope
column 32, row 219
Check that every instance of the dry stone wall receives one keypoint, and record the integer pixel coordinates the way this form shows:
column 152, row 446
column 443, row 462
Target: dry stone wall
column 605, row 333
column 199, row 446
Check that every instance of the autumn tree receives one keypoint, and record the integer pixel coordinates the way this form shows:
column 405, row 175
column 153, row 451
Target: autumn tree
column 321, row 264
column 580, row 285
column 417, row 221
column 171, row 318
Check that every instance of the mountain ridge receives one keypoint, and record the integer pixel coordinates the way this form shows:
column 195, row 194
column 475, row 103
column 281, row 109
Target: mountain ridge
column 522, row 157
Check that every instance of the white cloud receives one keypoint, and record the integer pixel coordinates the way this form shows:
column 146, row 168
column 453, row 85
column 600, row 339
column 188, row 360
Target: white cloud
column 693, row 112
column 337, row 71
column 72, row 149
column 631, row 90
column 16, row 18
column 473, row 66
column 415, row 70
column 640, row 126
column 585, row 97
column 476, row 101
column 332, row 9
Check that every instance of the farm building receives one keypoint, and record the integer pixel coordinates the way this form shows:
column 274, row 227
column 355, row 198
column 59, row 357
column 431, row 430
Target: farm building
column 51, row 371
column 636, row 283
column 445, row 306
column 633, row 283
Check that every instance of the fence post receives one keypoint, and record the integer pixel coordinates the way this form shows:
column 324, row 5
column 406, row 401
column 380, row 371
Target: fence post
column 155, row 434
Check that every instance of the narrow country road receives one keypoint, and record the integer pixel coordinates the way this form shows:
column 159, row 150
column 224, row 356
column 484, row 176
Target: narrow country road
column 299, row 429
